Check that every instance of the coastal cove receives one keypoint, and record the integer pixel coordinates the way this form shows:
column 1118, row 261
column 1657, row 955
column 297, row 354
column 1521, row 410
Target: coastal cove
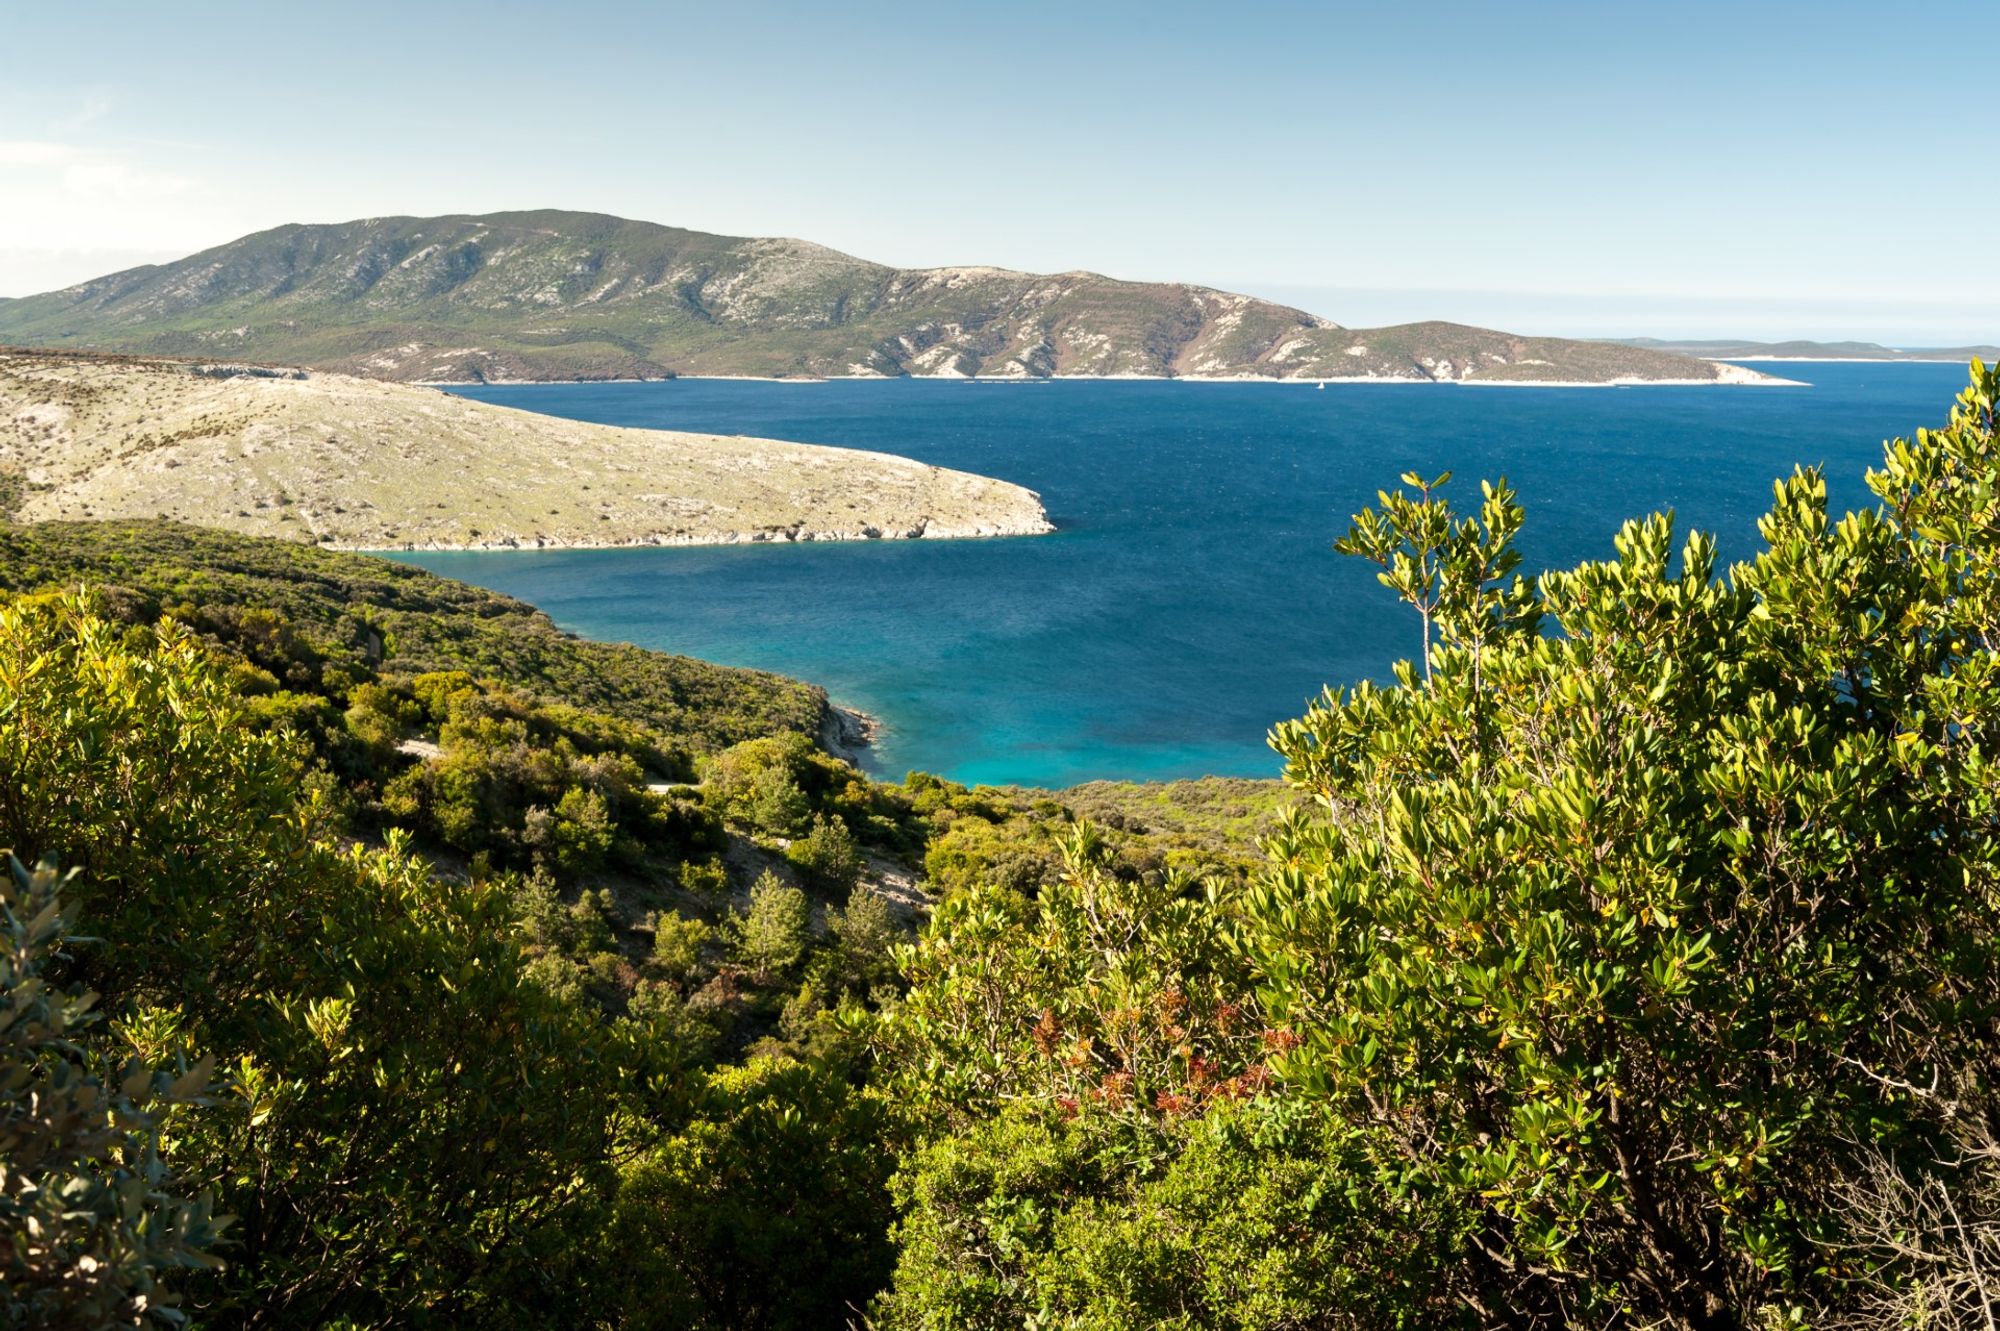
column 1189, row 598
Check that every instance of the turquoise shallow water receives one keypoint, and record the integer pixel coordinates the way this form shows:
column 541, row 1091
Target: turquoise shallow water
column 1190, row 599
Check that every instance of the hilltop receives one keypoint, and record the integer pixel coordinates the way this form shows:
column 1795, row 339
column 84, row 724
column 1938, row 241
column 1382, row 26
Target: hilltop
column 563, row 295
column 340, row 461
column 1733, row 349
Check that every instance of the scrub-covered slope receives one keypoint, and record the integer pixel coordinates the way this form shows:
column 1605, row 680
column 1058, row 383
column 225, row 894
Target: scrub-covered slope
column 561, row 295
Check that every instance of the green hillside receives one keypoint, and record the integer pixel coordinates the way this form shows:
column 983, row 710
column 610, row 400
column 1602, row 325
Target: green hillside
column 367, row 615
column 562, row 295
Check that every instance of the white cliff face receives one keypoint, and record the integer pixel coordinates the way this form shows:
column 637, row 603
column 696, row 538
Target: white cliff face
column 360, row 464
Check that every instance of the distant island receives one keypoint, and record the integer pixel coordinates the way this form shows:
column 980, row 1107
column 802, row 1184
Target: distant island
column 347, row 463
column 1727, row 349
column 562, row 295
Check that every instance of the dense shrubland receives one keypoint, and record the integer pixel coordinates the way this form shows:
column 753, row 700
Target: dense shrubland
column 1628, row 959
column 314, row 618
column 480, row 986
column 1632, row 962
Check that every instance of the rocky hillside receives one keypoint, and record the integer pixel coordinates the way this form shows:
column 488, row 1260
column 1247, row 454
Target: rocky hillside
column 346, row 462
column 558, row 295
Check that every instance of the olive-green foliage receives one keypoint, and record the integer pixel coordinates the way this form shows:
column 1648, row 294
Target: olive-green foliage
column 1082, row 1072
column 524, row 783
column 677, row 946
column 775, row 786
column 1211, row 827
column 1002, row 836
column 125, row 763
column 777, row 805
column 473, row 1110
column 689, row 1030
column 573, row 947
column 866, row 935
column 521, row 778
column 983, row 843
column 704, row 878
column 682, row 957
column 768, row 1211
column 312, row 617
column 404, row 1114
column 1241, row 1218
column 89, row 1218
column 1120, row 992
column 1622, row 935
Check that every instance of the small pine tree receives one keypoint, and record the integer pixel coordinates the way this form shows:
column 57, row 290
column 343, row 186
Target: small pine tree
column 772, row 935
column 827, row 857
column 677, row 946
column 777, row 805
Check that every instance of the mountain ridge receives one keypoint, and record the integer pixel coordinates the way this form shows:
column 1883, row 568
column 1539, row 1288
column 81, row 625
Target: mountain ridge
column 1806, row 349
column 549, row 295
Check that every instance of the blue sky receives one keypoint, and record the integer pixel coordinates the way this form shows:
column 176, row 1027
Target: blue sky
column 1751, row 169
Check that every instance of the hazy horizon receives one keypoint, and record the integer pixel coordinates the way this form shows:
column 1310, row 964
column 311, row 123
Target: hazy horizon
column 1561, row 168
column 1551, row 314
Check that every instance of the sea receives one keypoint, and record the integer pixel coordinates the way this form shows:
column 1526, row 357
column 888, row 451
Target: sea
column 1191, row 597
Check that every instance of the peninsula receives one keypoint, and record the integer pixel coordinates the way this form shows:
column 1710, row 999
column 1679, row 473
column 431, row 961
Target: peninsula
column 563, row 295
column 349, row 463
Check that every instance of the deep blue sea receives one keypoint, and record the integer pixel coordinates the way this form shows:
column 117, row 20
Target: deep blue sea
column 1190, row 599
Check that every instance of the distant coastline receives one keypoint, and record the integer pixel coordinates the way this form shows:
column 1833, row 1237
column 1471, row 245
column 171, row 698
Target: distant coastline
column 1842, row 360
column 550, row 295
column 1761, row 381
column 687, row 540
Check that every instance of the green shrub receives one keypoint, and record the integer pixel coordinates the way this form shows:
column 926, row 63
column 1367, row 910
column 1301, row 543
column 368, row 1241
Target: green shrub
column 405, row 1111
column 584, row 832
column 94, row 1230
column 1242, row 1218
column 827, row 858
column 1627, row 933
column 777, row 805
column 768, row 1211
column 1122, row 992
column 300, row 612
column 705, row 878
column 677, row 946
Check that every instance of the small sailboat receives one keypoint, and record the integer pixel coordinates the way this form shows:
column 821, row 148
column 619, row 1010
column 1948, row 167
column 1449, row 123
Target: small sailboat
column 1322, row 385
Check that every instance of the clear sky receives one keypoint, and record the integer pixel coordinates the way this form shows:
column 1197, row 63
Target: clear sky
column 1758, row 168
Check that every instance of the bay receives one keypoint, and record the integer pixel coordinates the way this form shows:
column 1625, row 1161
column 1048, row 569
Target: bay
column 1190, row 598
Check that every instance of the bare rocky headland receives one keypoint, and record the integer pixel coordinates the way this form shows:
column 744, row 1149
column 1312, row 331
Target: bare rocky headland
column 361, row 464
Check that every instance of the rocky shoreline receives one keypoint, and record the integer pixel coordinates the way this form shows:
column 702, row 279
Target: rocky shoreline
column 846, row 731
column 357, row 464
column 926, row 531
